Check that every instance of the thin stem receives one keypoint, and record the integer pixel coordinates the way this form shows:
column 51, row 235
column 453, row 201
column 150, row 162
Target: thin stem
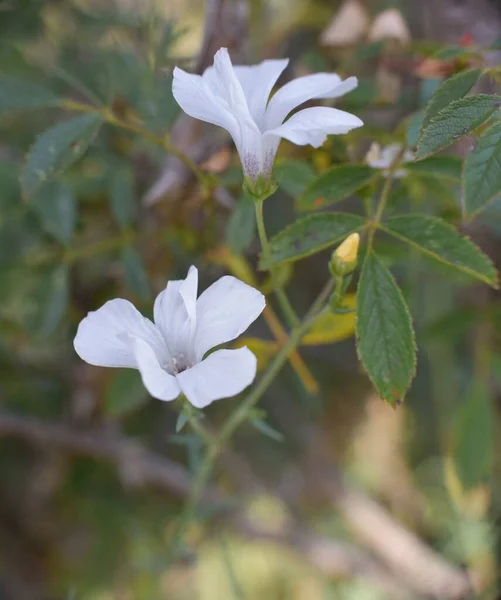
column 240, row 415
column 110, row 118
column 385, row 193
column 281, row 296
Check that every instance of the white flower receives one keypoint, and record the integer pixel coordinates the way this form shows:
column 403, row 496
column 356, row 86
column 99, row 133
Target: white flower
column 170, row 352
column 383, row 158
column 237, row 99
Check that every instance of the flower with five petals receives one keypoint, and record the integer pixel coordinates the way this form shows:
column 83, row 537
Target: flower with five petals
column 237, row 99
column 169, row 353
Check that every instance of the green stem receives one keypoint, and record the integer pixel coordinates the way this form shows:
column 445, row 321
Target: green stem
column 385, row 193
column 278, row 290
column 237, row 417
column 110, row 118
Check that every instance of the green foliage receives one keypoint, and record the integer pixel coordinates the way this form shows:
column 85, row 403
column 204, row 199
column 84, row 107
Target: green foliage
column 438, row 239
column 385, row 337
column 122, row 196
column 448, row 167
column 473, row 441
column 452, row 89
column 455, row 121
column 56, row 205
column 16, row 94
column 336, row 184
column 125, row 393
column 294, row 176
column 241, row 226
column 309, row 235
column 81, row 236
column 482, row 171
column 135, row 273
column 57, row 149
column 52, row 297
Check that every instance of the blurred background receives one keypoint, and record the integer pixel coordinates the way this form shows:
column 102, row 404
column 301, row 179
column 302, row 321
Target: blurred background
column 330, row 493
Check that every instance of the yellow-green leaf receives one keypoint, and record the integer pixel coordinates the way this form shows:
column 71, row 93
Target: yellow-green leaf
column 332, row 327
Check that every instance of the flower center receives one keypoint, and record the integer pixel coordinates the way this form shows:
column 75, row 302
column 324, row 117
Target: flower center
column 177, row 365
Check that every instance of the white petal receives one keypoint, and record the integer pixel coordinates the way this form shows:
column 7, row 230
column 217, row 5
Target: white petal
column 226, row 87
column 102, row 336
column 222, row 374
column 175, row 314
column 313, row 125
column 257, row 81
column 302, row 89
column 196, row 98
column 156, row 380
column 224, row 311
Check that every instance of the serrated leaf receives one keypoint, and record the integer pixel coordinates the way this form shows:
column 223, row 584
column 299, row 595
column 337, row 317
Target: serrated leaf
column 16, row 94
column 56, row 149
column 439, row 166
column 241, row 226
column 331, row 328
column 311, row 234
column 125, row 393
column 135, row 273
column 56, row 205
column 294, row 176
column 385, row 337
column 482, row 171
column 455, row 121
column 414, row 128
column 334, row 185
column 452, row 89
column 441, row 241
column 473, row 445
column 121, row 196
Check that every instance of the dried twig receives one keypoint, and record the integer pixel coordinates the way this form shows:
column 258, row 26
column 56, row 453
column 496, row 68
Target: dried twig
column 225, row 25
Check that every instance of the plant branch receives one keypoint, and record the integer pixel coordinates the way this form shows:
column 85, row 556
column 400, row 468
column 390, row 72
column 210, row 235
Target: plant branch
column 162, row 141
column 281, row 296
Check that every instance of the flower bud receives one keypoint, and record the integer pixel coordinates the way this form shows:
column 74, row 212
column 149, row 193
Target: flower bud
column 344, row 259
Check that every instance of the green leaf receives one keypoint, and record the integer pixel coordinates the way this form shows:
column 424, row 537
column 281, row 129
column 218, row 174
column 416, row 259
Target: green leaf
column 125, row 393
column 56, row 149
column 482, row 171
column 241, row 225
column 56, row 205
column 16, row 94
column 121, row 196
column 452, row 89
column 440, row 166
column 414, row 125
column 455, row 121
column 309, row 235
column 473, row 445
column 385, row 338
column 52, row 299
column 181, row 420
column 441, row 241
column 294, row 176
column 135, row 273
column 337, row 183
column 450, row 52
column 267, row 430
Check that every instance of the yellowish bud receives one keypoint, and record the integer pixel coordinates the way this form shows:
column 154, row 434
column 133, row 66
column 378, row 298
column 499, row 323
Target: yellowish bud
column 344, row 259
column 348, row 250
